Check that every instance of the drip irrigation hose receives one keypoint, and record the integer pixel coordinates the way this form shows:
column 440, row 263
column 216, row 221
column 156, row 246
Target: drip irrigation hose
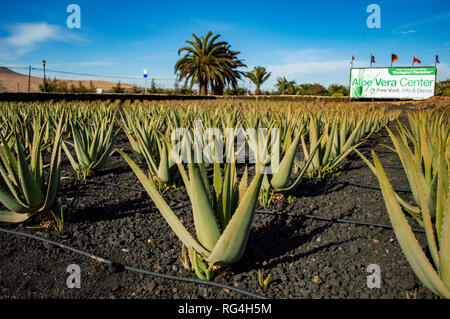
column 133, row 189
column 330, row 219
column 369, row 186
column 134, row 269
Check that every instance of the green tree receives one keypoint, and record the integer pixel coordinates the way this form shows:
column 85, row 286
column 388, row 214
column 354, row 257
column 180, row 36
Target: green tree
column 338, row 90
column 118, row 88
column 258, row 76
column 282, row 85
column 208, row 62
column 443, row 88
column 317, row 89
column 304, row 88
column 230, row 74
column 291, row 88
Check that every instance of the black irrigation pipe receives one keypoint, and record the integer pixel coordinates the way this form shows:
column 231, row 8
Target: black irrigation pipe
column 285, row 213
column 139, row 270
column 334, row 220
column 131, row 188
column 368, row 186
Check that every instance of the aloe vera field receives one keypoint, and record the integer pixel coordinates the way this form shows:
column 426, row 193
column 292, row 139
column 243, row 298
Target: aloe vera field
column 237, row 198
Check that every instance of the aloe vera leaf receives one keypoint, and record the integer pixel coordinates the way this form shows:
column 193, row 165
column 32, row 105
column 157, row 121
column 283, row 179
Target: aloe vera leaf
column 173, row 221
column 314, row 138
column 163, row 169
column 217, row 180
column 330, row 142
column 36, row 154
column 31, row 190
column 408, row 163
column 410, row 246
column 351, row 138
column 407, row 206
column 423, row 191
column 10, row 162
column 231, row 244
column 226, row 194
column 442, row 187
column 69, row 156
column 13, row 217
column 444, row 248
column 82, row 156
column 101, row 162
column 9, row 199
column 281, row 178
column 94, row 147
column 195, row 264
column 55, row 169
column 206, row 227
column 243, row 185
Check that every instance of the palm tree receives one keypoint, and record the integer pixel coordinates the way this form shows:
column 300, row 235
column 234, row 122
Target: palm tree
column 292, row 88
column 304, row 88
column 258, row 76
column 282, row 84
column 229, row 64
column 208, row 62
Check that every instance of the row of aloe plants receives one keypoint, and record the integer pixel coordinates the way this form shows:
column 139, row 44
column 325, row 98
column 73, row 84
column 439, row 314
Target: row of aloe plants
column 424, row 151
column 223, row 211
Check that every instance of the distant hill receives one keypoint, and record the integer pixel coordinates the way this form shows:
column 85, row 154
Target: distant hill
column 11, row 81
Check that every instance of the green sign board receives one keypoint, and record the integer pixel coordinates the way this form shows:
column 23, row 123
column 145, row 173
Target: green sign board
column 416, row 83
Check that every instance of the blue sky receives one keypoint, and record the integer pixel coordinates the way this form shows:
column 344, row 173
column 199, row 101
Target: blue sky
column 306, row 41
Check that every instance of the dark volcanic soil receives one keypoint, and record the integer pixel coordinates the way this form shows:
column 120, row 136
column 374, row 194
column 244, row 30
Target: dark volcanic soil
column 306, row 258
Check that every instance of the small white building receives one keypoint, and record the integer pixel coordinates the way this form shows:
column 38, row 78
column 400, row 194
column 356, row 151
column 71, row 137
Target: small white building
column 99, row 91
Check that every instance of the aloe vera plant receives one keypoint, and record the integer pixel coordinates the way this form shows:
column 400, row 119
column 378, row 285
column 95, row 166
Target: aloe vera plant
column 334, row 145
column 424, row 164
column 92, row 142
column 427, row 167
column 25, row 187
column 152, row 146
column 222, row 216
column 436, row 275
column 282, row 159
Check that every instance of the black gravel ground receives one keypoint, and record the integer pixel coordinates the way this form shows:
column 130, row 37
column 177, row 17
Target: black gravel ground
column 306, row 258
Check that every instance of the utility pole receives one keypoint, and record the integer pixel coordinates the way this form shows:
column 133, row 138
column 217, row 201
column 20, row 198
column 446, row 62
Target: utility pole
column 45, row 84
column 145, row 78
column 29, row 78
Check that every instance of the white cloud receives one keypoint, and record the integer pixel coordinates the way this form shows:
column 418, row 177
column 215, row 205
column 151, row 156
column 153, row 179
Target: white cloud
column 26, row 37
column 429, row 20
column 403, row 32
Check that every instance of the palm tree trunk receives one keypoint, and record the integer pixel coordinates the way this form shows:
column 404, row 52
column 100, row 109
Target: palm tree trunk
column 203, row 87
column 257, row 91
column 218, row 89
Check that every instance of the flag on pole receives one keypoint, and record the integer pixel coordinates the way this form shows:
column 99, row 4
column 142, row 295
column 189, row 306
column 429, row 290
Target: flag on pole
column 394, row 58
column 437, row 59
column 372, row 59
column 416, row 60
column 353, row 59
